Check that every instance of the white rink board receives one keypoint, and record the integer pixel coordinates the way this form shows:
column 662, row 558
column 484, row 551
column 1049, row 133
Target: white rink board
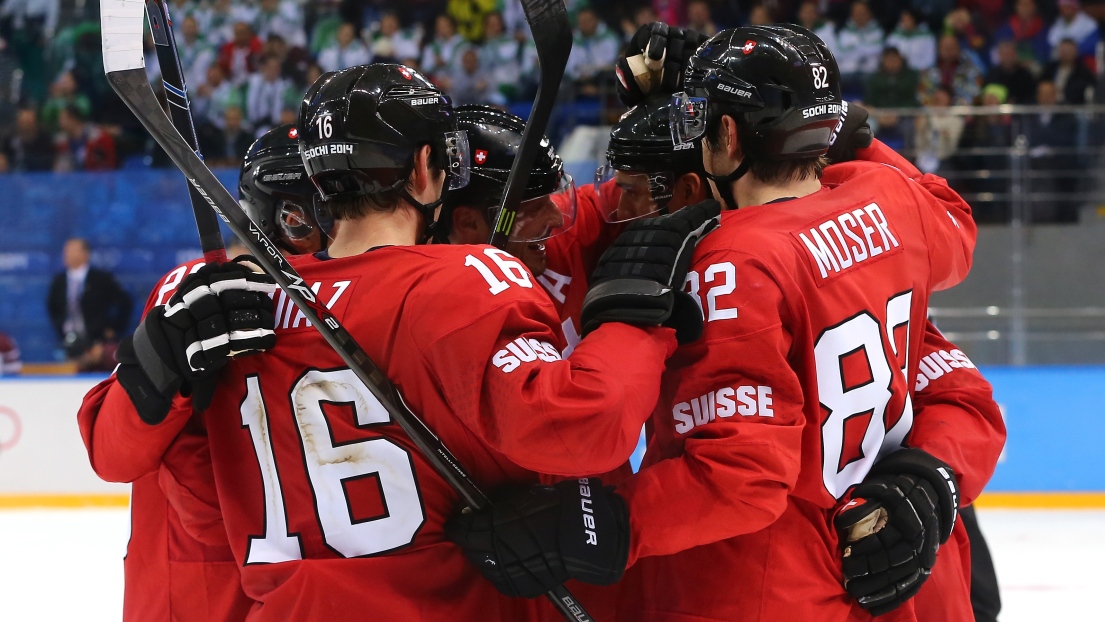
column 41, row 451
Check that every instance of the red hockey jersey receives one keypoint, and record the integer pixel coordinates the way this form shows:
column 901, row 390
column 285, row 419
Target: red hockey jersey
column 572, row 256
column 331, row 510
column 169, row 574
column 816, row 313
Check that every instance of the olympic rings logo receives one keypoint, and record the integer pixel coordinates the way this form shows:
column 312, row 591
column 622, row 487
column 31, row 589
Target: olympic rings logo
column 11, row 428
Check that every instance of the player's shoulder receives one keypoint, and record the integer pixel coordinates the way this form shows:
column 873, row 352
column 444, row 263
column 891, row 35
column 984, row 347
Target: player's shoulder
column 167, row 285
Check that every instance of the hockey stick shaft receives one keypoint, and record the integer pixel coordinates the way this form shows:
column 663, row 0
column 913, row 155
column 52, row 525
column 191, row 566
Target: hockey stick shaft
column 552, row 36
column 176, row 94
column 121, row 26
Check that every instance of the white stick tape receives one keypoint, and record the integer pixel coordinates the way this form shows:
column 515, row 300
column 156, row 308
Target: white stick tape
column 121, row 23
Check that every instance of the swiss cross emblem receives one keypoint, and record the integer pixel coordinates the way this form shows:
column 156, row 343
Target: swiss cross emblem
column 749, row 46
column 481, row 156
column 404, row 72
column 293, row 133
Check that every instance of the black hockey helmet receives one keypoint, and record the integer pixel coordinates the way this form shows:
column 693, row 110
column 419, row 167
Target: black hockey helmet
column 493, row 140
column 779, row 82
column 359, row 128
column 642, row 159
column 273, row 187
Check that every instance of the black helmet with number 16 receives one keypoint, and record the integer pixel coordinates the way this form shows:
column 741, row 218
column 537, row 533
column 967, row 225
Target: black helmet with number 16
column 359, row 129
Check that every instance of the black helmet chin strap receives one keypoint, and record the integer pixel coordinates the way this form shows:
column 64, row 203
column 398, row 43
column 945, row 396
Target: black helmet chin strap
column 426, row 209
column 724, row 183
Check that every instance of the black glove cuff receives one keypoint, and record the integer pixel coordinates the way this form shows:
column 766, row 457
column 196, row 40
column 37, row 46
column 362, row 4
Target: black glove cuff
column 151, row 400
column 918, row 462
column 641, row 302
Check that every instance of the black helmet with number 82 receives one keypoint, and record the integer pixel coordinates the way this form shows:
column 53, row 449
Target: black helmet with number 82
column 359, row 129
column 780, row 83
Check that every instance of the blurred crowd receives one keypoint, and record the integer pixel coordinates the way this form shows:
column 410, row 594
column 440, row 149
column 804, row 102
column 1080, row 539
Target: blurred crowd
column 247, row 62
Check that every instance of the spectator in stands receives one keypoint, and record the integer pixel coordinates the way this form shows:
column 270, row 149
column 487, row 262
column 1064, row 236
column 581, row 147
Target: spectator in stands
column 29, row 148
column 213, row 97
column 1052, row 137
column 937, row 133
column 971, row 37
column 914, row 40
column 441, row 56
column 87, row 306
column 314, row 72
column 987, row 139
column 82, row 146
column 196, row 54
column 226, row 144
column 468, row 85
column 810, row 18
column 894, row 85
column 859, row 43
column 594, row 50
column 1028, row 32
column 643, row 15
column 1075, row 25
column 280, row 18
column 1073, row 80
column 63, row 94
column 759, row 15
column 11, row 362
column 347, row 51
column 499, row 52
column 469, row 15
column 953, row 69
column 1011, row 73
column 239, row 57
column 5, row 164
column 392, row 43
column 699, row 18
column 216, row 22
column 36, row 18
column 266, row 93
column 293, row 62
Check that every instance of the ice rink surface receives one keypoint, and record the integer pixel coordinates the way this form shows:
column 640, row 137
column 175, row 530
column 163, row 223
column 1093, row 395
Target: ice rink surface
column 61, row 565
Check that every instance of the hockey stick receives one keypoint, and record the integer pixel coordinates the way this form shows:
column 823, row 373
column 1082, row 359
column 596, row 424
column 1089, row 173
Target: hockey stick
column 552, row 36
column 121, row 32
column 176, row 93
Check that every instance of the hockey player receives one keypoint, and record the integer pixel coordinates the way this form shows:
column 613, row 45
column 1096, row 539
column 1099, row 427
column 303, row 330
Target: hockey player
column 330, row 510
column 177, row 571
column 800, row 389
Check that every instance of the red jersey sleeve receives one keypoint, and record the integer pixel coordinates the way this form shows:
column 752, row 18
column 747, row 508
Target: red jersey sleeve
column 188, row 481
column 946, row 218
column 121, row 447
column 956, row 418
column 733, row 475
column 501, row 372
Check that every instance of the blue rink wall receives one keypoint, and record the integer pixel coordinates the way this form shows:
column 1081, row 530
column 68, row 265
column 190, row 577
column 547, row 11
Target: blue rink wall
column 139, row 224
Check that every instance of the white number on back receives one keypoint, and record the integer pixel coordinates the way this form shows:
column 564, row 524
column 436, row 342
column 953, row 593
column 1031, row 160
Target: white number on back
column 510, row 268
column 725, row 275
column 330, row 466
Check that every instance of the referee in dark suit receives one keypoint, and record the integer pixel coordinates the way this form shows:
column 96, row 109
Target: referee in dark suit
column 87, row 306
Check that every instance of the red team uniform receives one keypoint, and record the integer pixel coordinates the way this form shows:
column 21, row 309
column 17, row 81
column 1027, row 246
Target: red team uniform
column 173, row 571
column 331, row 491
column 816, row 319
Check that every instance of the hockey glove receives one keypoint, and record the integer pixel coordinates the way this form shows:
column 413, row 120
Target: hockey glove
column 655, row 61
column 852, row 132
column 639, row 280
column 219, row 312
column 893, row 525
column 533, row 540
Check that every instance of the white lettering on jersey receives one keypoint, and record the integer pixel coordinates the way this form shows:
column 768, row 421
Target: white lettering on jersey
column 749, row 401
column 571, row 336
column 172, row 281
column 289, row 316
column 848, row 239
column 555, row 283
column 523, row 350
column 937, row 364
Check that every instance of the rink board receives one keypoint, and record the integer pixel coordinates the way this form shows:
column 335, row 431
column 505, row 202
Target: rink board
column 1053, row 458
